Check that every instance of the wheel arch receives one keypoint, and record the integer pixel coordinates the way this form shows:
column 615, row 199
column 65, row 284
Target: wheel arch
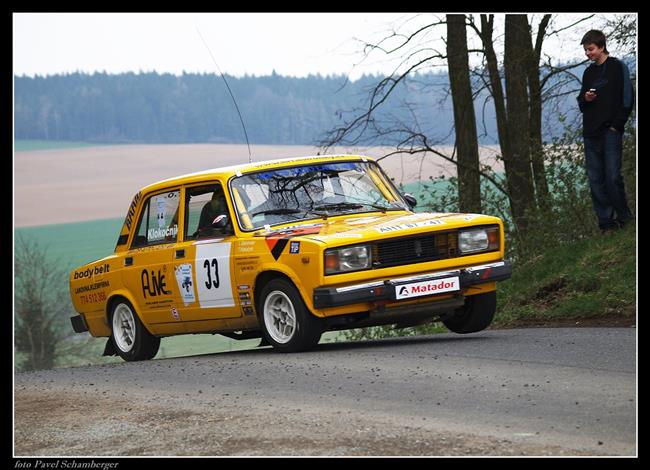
column 116, row 297
column 266, row 276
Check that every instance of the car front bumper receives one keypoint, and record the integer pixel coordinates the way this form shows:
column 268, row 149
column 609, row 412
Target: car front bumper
column 389, row 289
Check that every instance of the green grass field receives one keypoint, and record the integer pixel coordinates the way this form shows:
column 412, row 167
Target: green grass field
column 74, row 244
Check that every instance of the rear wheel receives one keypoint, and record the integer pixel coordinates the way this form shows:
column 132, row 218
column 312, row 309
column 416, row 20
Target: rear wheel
column 130, row 338
column 475, row 315
column 286, row 323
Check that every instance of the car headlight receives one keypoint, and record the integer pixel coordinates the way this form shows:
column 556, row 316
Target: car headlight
column 343, row 260
column 479, row 239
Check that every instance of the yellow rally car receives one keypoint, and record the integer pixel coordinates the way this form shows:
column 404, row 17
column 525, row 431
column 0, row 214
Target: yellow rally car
column 284, row 250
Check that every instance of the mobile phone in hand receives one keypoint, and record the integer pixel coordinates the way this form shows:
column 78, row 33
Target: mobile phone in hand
column 592, row 90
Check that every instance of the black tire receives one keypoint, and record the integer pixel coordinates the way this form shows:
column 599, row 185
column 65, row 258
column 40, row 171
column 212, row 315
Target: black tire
column 130, row 338
column 280, row 305
column 476, row 315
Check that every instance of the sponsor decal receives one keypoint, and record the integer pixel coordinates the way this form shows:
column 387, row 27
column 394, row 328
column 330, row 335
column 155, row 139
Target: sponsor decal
column 144, row 249
column 276, row 241
column 294, row 247
column 129, row 215
column 90, row 272
column 246, row 246
column 162, row 232
column 361, row 221
column 185, row 283
column 160, row 211
column 407, row 226
column 247, row 264
column 159, row 304
column 91, row 287
column 276, row 245
column 154, row 285
column 437, row 286
column 248, row 311
column 175, row 313
column 243, row 287
column 343, row 235
column 92, row 297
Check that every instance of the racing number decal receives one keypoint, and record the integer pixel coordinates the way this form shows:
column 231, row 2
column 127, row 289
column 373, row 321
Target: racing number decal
column 214, row 265
column 213, row 283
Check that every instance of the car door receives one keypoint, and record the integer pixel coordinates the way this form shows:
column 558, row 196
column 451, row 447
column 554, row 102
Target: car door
column 202, row 260
column 148, row 264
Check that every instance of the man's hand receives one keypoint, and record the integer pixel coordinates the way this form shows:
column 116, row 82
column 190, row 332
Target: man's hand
column 590, row 96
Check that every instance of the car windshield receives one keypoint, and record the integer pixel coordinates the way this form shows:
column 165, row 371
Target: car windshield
column 312, row 191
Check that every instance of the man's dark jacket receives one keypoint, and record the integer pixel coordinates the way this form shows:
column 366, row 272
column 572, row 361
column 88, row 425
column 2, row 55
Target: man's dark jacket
column 615, row 97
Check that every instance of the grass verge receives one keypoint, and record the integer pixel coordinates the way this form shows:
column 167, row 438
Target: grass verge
column 587, row 282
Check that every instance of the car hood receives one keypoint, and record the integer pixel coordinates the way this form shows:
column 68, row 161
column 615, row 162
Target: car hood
column 345, row 229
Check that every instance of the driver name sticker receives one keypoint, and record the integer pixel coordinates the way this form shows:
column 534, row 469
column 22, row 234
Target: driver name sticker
column 185, row 283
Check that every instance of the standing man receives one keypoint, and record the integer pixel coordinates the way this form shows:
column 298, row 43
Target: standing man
column 605, row 100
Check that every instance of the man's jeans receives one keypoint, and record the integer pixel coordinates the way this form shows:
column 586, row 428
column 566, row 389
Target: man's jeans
column 603, row 157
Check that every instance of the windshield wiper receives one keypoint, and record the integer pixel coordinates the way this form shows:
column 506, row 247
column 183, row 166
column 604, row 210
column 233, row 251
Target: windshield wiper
column 350, row 205
column 338, row 206
column 278, row 211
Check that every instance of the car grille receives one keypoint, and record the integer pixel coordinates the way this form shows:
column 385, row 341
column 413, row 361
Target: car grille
column 418, row 249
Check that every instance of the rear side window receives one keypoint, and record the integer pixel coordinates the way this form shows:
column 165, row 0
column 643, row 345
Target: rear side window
column 159, row 220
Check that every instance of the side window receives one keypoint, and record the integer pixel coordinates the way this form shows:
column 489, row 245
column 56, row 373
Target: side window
column 203, row 205
column 159, row 220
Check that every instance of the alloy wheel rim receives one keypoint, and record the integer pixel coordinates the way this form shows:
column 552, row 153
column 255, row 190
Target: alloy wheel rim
column 279, row 317
column 124, row 328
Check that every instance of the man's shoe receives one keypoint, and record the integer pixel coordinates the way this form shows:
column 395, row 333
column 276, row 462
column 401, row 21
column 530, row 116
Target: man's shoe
column 623, row 222
column 609, row 228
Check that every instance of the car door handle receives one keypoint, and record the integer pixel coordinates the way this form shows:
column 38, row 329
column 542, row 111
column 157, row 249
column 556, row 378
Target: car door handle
column 128, row 261
column 180, row 253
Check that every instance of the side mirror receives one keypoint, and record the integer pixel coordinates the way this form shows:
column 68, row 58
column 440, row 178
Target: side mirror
column 410, row 199
column 220, row 221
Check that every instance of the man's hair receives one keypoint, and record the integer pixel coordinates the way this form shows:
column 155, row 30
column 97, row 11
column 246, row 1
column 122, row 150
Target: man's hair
column 596, row 37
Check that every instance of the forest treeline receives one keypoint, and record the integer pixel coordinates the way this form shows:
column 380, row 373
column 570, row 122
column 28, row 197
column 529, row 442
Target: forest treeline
column 196, row 108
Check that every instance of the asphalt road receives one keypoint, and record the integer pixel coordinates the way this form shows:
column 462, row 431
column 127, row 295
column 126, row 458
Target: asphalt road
column 553, row 391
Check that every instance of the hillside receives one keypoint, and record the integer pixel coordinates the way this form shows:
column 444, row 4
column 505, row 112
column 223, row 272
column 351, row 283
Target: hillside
column 590, row 282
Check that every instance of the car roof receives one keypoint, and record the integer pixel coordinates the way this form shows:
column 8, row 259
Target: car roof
column 228, row 171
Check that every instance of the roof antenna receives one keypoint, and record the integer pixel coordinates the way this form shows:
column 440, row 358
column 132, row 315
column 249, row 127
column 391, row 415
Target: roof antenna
column 250, row 157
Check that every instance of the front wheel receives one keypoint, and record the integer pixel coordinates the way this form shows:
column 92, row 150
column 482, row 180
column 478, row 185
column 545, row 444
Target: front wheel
column 286, row 323
column 131, row 339
column 475, row 315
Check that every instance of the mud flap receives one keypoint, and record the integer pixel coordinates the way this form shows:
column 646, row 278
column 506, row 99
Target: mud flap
column 109, row 350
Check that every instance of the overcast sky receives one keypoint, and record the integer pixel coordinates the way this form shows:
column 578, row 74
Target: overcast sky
column 294, row 44
column 291, row 43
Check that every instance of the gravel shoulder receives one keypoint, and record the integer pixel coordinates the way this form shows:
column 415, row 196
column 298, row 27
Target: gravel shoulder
column 54, row 424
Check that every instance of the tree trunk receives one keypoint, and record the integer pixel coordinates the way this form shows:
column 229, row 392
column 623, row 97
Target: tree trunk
column 487, row 28
column 517, row 166
column 469, row 182
column 536, row 149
